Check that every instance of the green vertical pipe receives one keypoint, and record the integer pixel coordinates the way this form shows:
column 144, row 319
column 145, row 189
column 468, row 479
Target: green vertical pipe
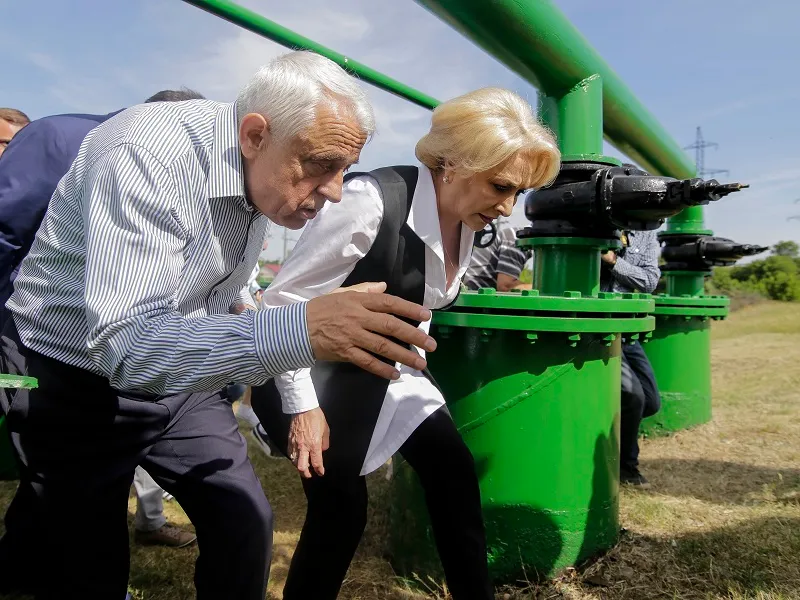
column 262, row 26
column 572, row 264
column 680, row 354
column 689, row 221
column 542, row 423
column 564, row 264
column 576, row 117
column 685, row 283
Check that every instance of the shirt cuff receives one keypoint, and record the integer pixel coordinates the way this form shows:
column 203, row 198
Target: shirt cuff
column 297, row 391
column 281, row 338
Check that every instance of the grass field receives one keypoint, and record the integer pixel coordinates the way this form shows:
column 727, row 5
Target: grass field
column 721, row 522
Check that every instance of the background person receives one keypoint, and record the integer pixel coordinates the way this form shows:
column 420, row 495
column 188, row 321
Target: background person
column 499, row 265
column 634, row 268
column 11, row 122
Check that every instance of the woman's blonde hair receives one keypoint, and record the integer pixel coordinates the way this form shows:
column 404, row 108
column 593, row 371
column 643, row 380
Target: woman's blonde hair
column 484, row 130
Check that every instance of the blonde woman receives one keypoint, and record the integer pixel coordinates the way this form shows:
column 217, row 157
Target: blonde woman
column 411, row 228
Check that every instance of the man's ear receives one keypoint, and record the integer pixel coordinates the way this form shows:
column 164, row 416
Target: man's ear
column 254, row 134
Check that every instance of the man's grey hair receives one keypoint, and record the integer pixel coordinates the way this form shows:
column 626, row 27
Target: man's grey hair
column 289, row 89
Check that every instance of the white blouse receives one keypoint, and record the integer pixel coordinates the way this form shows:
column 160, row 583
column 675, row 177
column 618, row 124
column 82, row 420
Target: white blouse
column 327, row 252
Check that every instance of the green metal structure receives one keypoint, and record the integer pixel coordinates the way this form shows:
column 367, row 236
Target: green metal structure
column 536, row 40
column 252, row 21
column 541, row 45
column 533, row 384
column 680, row 349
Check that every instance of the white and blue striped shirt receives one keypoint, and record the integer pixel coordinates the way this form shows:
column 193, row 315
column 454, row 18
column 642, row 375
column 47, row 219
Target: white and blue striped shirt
column 147, row 242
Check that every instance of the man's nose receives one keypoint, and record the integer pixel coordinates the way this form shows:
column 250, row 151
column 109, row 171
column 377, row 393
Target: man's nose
column 332, row 188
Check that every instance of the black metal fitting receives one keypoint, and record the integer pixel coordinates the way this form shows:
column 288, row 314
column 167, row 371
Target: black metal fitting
column 596, row 200
column 701, row 252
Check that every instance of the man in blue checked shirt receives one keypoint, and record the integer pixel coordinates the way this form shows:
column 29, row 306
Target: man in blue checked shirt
column 634, row 268
column 121, row 310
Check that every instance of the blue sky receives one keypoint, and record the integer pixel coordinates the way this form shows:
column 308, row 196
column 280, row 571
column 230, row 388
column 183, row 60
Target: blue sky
column 729, row 66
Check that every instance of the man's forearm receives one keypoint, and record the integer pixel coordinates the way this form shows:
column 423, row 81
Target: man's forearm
column 631, row 276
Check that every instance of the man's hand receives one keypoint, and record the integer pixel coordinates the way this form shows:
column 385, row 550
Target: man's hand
column 610, row 258
column 309, row 437
column 347, row 326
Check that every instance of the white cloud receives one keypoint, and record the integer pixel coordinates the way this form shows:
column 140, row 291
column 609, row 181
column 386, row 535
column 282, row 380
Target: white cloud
column 334, row 25
column 224, row 65
column 43, row 61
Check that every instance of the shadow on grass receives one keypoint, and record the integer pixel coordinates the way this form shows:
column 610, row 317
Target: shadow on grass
column 723, row 482
column 744, row 560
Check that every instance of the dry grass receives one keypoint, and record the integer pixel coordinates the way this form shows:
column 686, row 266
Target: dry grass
column 722, row 521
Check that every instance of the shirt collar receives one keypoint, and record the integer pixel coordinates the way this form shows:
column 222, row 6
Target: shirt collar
column 423, row 219
column 226, row 179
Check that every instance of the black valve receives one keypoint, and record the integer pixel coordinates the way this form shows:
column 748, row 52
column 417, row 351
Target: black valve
column 595, row 200
column 701, row 252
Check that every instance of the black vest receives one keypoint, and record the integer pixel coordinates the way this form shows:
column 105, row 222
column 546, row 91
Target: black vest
column 351, row 397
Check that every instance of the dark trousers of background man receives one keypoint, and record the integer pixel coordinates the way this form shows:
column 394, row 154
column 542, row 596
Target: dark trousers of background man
column 640, row 399
column 80, row 441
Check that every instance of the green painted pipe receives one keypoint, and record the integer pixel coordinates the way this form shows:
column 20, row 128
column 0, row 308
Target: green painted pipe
column 689, row 221
column 572, row 264
column 679, row 352
column 262, row 26
column 566, row 264
column 540, row 415
column 576, row 118
column 685, row 283
column 536, row 40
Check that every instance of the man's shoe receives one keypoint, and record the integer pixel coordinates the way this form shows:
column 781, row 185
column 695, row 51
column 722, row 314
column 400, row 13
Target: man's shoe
column 267, row 445
column 166, row 535
column 633, row 478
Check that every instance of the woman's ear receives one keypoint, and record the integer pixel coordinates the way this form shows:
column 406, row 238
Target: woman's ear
column 448, row 173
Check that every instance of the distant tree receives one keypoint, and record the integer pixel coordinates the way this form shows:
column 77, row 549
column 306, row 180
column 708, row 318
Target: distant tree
column 786, row 248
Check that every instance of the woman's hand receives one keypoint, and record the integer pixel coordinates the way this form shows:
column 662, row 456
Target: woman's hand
column 368, row 287
column 309, row 437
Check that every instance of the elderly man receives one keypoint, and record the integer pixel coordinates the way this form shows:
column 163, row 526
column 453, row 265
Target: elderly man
column 121, row 311
column 11, row 121
column 29, row 174
column 634, row 268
